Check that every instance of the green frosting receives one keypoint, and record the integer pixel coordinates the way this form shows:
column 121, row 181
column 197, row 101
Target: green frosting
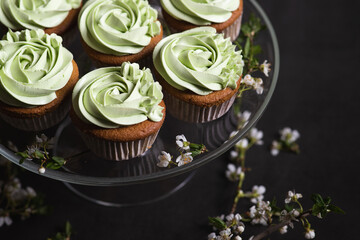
column 33, row 66
column 201, row 12
column 199, row 60
column 118, row 27
column 114, row 96
column 35, row 14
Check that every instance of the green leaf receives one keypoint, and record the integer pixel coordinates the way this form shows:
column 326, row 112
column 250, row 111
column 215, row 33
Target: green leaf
column 336, row 209
column 218, row 223
column 38, row 154
column 58, row 160
column 288, row 208
column 23, row 154
column 22, row 160
column 53, row 165
column 317, row 199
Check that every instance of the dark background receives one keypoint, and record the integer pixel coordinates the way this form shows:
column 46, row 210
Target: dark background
column 317, row 93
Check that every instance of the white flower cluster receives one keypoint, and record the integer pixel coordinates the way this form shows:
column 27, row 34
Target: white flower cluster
column 243, row 118
column 253, row 137
column 185, row 156
column 233, row 231
column 17, row 195
column 292, row 196
column 233, row 172
column 259, row 191
column 255, row 83
column 288, row 136
column 260, row 213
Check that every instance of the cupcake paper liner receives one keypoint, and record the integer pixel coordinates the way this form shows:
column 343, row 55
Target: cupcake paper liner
column 233, row 30
column 43, row 122
column 118, row 151
column 193, row 113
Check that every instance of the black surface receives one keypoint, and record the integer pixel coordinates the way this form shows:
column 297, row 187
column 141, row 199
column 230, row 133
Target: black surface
column 317, row 94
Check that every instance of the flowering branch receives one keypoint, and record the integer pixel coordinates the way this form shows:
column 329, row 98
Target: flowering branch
column 38, row 152
column 245, row 42
column 187, row 150
column 16, row 201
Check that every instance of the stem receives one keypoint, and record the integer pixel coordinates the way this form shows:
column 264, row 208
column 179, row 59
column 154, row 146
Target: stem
column 239, row 192
column 276, row 227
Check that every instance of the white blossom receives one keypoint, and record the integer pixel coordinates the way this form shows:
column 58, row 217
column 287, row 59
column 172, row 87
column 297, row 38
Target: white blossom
column 233, row 154
column 41, row 170
column 225, row 234
column 292, row 196
column 283, row 229
column 182, row 142
column 258, row 86
column 164, row 159
column 5, row 220
column 275, row 148
column 233, row 218
column 238, row 238
column 233, row 172
column 265, row 68
column 260, row 213
column 184, row 158
column 243, row 118
column 240, row 229
column 212, row 236
column 243, row 143
column 289, row 135
column 256, row 135
column 260, row 191
column 310, row 234
column 248, row 80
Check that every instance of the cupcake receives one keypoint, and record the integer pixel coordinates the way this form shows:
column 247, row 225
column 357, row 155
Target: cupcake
column 117, row 31
column 118, row 110
column 53, row 16
column 37, row 76
column 225, row 16
column 200, row 73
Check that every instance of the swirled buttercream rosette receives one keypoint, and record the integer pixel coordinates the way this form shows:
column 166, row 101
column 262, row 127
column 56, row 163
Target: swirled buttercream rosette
column 224, row 15
column 118, row 110
column 53, row 16
column 117, row 31
column 200, row 72
column 36, row 76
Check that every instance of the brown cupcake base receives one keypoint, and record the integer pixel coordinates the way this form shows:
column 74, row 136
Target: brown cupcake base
column 191, row 107
column 45, row 116
column 230, row 28
column 143, row 58
column 121, row 143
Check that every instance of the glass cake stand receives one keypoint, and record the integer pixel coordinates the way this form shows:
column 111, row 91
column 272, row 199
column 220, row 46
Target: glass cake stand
column 139, row 180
